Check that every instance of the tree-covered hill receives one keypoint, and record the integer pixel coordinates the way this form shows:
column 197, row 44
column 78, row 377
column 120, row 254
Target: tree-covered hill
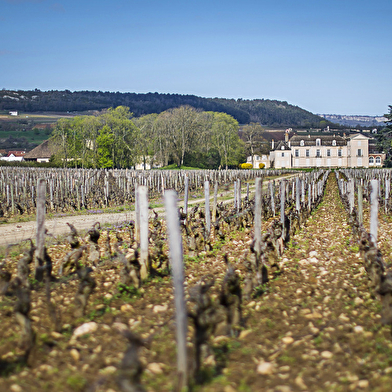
column 264, row 111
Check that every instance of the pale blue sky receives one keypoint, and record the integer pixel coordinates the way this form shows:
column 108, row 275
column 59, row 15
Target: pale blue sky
column 326, row 56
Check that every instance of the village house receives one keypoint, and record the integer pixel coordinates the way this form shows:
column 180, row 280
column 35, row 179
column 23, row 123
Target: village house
column 13, row 156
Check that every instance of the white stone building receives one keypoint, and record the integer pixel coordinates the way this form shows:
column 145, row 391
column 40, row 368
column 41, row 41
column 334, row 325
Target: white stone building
column 301, row 151
column 255, row 160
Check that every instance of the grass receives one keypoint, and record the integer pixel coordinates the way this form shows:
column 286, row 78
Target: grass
column 175, row 167
column 76, row 382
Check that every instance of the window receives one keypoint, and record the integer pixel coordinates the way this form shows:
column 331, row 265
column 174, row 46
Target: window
column 301, row 143
column 339, row 152
column 334, row 142
column 359, row 152
column 378, row 160
column 282, row 154
column 318, row 153
column 257, row 158
column 282, row 148
column 371, row 160
column 307, row 153
column 318, row 142
column 297, row 153
column 328, row 153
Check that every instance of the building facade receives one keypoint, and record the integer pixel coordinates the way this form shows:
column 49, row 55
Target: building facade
column 301, row 151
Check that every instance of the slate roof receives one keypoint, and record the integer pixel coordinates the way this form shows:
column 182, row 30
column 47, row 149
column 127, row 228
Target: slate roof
column 310, row 140
column 279, row 145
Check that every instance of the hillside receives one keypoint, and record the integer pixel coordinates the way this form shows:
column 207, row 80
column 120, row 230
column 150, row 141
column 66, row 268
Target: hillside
column 267, row 112
column 353, row 121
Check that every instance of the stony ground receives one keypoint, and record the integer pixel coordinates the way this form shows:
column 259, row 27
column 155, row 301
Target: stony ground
column 316, row 326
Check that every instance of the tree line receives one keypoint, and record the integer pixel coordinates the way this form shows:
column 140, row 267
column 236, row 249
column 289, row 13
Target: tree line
column 264, row 111
column 384, row 138
column 116, row 139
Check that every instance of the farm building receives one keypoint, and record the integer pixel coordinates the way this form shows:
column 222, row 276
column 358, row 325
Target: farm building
column 41, row 153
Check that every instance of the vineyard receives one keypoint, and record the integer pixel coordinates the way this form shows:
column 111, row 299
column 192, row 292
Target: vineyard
column 268, row 281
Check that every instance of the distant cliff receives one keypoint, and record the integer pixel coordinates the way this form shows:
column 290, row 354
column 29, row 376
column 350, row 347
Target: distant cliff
column 267, row 112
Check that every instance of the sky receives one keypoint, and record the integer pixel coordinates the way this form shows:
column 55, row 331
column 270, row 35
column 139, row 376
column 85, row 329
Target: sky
column 325, row 56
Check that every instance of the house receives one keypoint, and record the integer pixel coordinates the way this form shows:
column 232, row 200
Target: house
column 302, row 151
column 13, row 156
column 376, row 157
column 41, row 153
column 255, row 161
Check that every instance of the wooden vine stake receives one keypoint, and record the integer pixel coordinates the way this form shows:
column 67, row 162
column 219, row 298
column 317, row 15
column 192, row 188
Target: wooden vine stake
column 238, row 195
column 360, row 204
column 186, row 195
column 272, row 192
column 176, row 260
column 351, row 194
column 282, row 205
column 137, row 215
column 207, row 208
column 41, row 196
column 374, row 211
column 143, row 205
column 215, row 201
column 257, row 218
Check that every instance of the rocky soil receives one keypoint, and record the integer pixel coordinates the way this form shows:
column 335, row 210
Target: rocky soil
column 314, row 327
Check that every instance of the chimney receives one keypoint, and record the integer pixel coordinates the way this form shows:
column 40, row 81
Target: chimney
column 272, row 144
column 286, row 137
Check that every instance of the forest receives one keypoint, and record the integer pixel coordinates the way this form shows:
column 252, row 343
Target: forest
column 267, row 112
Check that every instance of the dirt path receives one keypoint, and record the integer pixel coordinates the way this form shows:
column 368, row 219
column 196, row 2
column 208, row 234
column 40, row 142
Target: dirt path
column 318, row 328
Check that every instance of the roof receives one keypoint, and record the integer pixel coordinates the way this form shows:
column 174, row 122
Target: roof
column 282, row 145
column 310, row 140
column 16, row 153
column 360, row 135
column 44, row 150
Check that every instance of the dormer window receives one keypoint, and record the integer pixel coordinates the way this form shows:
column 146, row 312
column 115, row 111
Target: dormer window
column 301, row 143
column 334, row 142
column 318, row 142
